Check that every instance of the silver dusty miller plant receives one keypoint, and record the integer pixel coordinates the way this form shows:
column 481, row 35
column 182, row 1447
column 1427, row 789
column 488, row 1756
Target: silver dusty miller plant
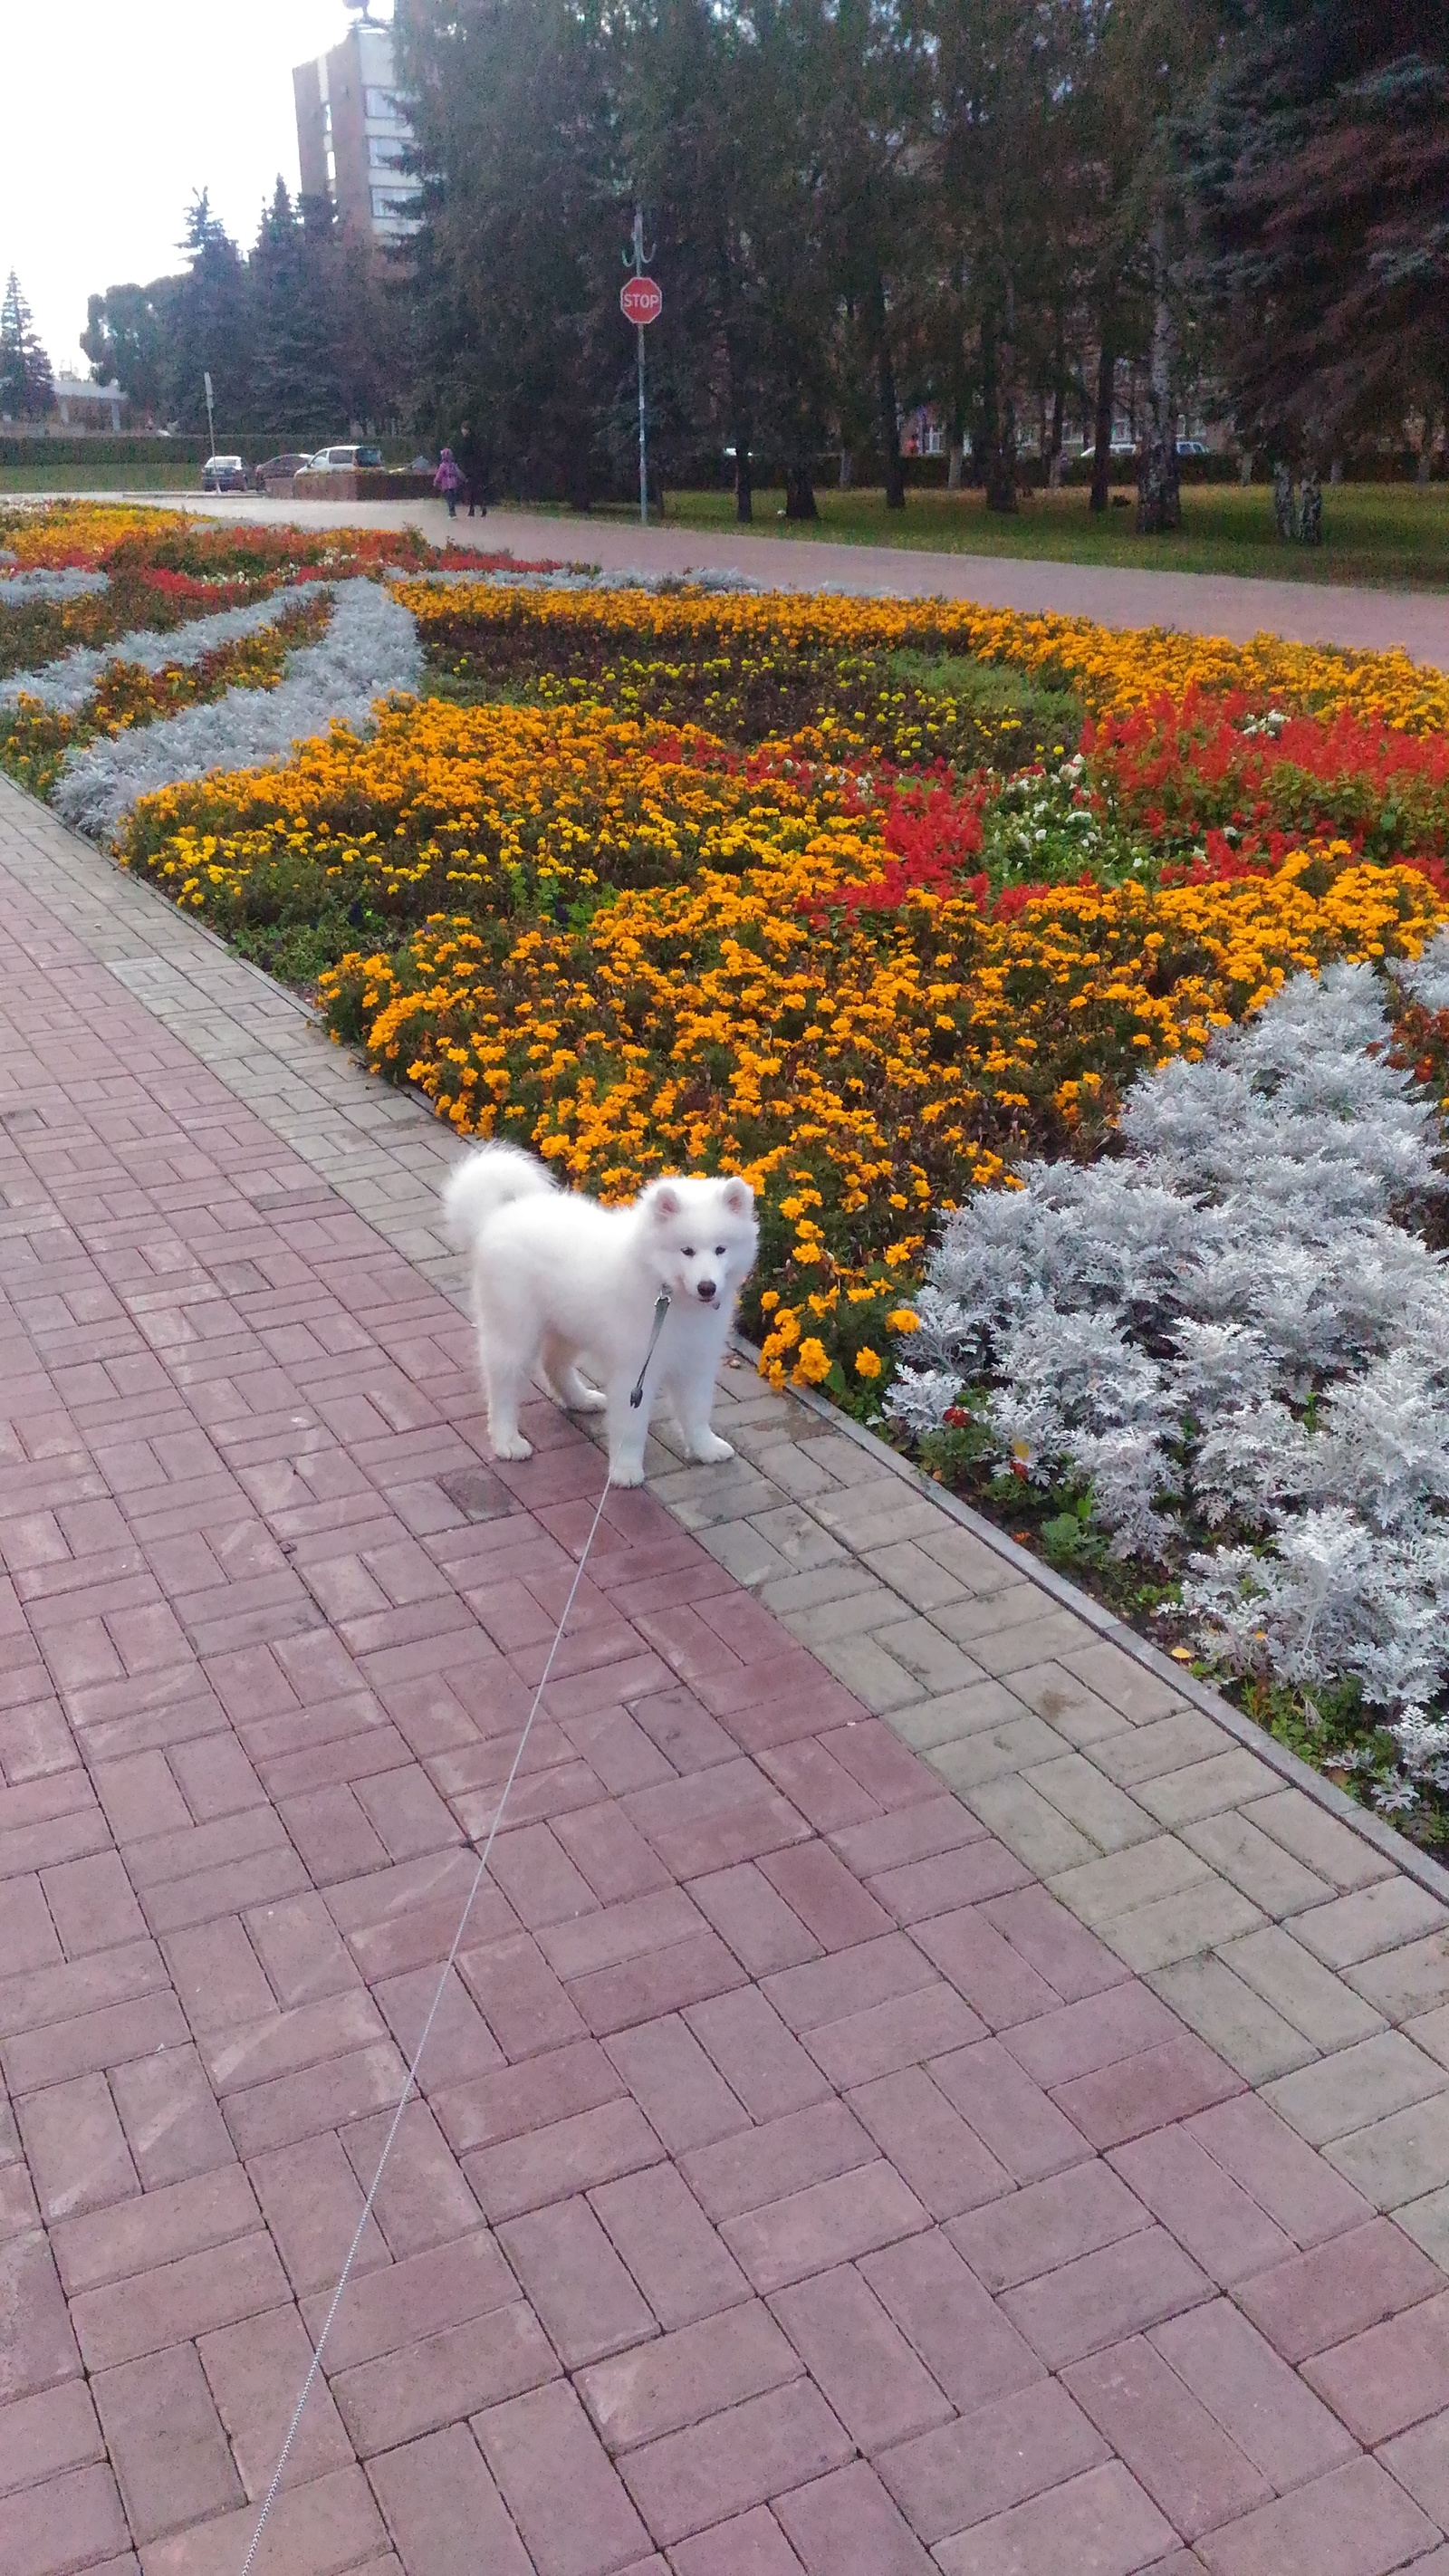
column 369, row 651
column 1231, row 1322
column 66, row 685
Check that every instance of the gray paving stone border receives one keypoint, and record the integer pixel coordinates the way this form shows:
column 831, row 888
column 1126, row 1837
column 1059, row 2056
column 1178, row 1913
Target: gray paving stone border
column 1429, row 1872
column 1295, row 1933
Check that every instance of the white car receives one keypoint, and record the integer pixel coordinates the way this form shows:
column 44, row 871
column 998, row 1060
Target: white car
column 343, row 460
column 224, row 474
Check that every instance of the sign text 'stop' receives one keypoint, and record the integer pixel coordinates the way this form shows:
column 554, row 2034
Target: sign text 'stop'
column 640, row 300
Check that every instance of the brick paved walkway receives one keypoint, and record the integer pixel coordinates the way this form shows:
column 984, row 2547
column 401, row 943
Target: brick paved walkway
column 917, row 2088
column 1237, row 605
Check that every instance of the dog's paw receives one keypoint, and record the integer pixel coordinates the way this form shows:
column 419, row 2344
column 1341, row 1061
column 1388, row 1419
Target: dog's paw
column 588, row 1400
column 710, row 1451
column 511, row 1445
column 628, row 1471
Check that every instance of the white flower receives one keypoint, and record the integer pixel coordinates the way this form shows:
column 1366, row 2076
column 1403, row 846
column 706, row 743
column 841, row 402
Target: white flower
column 920, row 1399
column 1333, row 1598
column 1220, row 1366
column 1253, row 1459
column 1384, row 1445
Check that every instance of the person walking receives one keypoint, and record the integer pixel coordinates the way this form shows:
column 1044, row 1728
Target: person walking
column 448, row 480
column 473, row 458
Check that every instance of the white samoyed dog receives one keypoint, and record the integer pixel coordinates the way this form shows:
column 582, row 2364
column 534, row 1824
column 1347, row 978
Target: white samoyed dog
column 638, row 1297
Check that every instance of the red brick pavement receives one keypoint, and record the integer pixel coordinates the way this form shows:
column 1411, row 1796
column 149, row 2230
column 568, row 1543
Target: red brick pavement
column 794, row 2184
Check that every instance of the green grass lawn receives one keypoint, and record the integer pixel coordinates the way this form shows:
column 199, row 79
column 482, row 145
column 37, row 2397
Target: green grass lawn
column 100, row 478
column 1392, row 534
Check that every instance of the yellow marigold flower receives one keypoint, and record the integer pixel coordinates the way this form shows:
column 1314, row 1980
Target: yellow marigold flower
column 867, row 1364
column 812, row 1362
column 901, row 1320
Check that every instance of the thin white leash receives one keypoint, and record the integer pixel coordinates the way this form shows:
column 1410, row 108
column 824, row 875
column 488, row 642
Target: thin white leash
column 410, row 2080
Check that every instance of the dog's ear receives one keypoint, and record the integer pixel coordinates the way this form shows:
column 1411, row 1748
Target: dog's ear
column 739, row 1198
column 664, row 1202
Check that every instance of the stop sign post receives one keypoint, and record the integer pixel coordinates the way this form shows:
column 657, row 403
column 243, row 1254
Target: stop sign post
column 641, row 302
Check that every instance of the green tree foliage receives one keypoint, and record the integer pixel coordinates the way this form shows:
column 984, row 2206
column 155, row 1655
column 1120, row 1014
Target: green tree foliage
column 1319, row 165
column 854, row 207
column 211, row 330
column 127, row 339
column 327, row 336
column 25, row 381
column 859, row 205
column 301, row 338
column 515, row 127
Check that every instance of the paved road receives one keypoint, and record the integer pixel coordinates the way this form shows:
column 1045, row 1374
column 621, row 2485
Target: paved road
column 916, row 2090
column 1202, row 603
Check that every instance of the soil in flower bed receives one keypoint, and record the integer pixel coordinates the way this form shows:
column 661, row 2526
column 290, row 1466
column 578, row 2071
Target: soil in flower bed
column 914, row 708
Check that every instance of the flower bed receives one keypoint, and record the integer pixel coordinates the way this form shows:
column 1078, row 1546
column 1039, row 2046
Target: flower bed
column 154, row 571
column 1224, row 1351
column 157, row 572
column 116, row 620
column 103, row 694
column 1076, row 1002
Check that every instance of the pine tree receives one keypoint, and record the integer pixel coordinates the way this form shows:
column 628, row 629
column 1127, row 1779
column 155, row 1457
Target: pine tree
column 212, row 329
column 25, row 379
column 1320, row 172
column 297, row 384
column 517, row 265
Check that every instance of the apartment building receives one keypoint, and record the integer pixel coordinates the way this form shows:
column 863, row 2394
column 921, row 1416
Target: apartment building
column 352, row 134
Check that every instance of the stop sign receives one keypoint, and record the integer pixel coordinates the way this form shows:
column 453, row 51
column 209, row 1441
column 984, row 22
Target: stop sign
column 640, row 300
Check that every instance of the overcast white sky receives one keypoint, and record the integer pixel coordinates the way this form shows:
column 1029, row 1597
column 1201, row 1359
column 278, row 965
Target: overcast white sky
column 112, row 116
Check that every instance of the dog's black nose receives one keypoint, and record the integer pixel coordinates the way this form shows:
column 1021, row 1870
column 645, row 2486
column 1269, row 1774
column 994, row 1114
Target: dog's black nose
column 707, row 1291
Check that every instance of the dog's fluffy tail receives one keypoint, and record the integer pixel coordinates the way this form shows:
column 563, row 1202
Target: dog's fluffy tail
column 488, row 1181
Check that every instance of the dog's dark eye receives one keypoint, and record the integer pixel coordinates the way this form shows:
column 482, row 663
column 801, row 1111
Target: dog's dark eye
column 689, row 1252
column 719, row 1252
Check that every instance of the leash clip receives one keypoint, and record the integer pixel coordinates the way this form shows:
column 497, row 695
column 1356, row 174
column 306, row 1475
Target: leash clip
column 661, row 1309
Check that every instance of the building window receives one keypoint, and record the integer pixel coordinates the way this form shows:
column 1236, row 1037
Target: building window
column 385, row 151
column 382, row 104
column 389, row 208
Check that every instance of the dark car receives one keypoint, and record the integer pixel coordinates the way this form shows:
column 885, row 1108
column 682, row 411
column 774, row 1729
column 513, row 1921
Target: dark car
column 279, row 469
column 224, row 474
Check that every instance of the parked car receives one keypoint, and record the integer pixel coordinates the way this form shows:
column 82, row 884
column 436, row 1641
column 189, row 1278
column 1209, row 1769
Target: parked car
column 1192, row 447
column 278, row 469
column 1121, row 452
column 343, row 460
column 224, row 474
